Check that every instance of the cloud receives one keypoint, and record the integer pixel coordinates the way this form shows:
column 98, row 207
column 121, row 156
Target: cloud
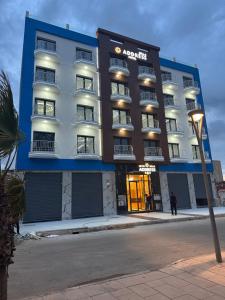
column 192, row 31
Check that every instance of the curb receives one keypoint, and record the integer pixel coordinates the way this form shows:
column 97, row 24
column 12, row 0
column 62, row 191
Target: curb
column 119, row 226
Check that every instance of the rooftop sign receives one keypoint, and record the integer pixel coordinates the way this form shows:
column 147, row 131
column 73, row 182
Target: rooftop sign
column 131, row 54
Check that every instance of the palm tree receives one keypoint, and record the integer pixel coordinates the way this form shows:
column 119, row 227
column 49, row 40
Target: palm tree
column 10, row 136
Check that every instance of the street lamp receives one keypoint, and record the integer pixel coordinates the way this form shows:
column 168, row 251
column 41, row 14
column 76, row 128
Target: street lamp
column 197, row 116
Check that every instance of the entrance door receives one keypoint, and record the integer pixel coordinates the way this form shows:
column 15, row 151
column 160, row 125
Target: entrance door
column 137, row 187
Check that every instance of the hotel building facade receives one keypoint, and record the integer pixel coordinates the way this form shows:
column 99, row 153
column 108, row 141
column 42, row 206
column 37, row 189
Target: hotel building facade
column 106, row 123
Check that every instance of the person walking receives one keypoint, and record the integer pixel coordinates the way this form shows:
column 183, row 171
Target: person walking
column 149, row 199
column 173, row 204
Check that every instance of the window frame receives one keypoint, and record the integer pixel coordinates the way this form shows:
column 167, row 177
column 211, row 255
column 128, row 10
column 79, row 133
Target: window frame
column 195, row 152
column 119, row 115
column 120, row 139
column 46, row 40
column 118, row 83
column 83, row 80
column 45, row 101
column 86, row 51
column 45, row 69
column 149, row 115
column 85, row 143
column 85, row 107
column 168, row 121
column 172, row 145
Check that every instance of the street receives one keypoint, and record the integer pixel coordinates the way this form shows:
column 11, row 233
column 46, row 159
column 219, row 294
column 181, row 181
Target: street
column 51, row 264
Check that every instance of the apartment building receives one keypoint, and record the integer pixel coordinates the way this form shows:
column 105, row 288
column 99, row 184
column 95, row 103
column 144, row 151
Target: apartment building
column 106, row 124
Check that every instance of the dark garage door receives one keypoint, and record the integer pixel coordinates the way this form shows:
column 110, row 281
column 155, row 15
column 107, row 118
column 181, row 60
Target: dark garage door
column 200, row 189
column 178, row 184
column 87, row 195
column 43, row 197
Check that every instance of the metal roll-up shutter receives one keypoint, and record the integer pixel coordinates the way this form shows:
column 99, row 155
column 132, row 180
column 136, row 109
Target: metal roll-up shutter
column 87, row 198
column 178, row 184
column 200, row 189
column 43, row 197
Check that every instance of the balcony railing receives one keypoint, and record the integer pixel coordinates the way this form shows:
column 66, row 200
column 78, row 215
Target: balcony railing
column 190, row 83
column 148, row 96
column 123, row 150
column 153, row 151
column 46, row 45
column 83, row 55
column 153, row 124
column 123, row 121
column 43, row 146
column 126, row 92
column 116, row 62
column 83, row 150
column 48, row 77
column 166, row 77
column 146, row 70
column 193, row 106
column 89, row 119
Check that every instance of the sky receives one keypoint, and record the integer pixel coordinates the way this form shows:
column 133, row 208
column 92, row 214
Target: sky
column 193, row 31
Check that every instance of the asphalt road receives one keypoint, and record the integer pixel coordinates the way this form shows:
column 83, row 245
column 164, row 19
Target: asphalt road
column 52, row 264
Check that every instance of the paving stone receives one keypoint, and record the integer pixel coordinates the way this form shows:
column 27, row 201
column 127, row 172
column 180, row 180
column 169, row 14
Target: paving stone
column 158, row 296
column 218, row 290
column 186, row 297
column 197, row 292
column 170, row 291
column 175, row 281
column 92, row 290
column 105, row 296
column 143, row 290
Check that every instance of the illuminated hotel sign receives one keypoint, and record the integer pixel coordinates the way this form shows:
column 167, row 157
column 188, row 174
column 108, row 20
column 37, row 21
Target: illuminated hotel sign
column 146, row 168
column 131, row 54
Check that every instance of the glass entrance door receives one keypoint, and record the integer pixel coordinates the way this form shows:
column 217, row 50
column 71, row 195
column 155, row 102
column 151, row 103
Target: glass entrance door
column 137, row 187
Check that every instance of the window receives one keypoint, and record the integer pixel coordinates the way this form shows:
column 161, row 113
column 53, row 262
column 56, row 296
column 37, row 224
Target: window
column 83, row 54
column 191, row 126
column 44, row 107
column 121, row 141
column 119, row 88
column 85, row 113
column 45, row 74
column 43, row 141
column 147, row 120
column 121, row 62
column 145, row 69
column 85, row 83
column 85, row 144
column 190, row 103
column 171, row 124
column 151, row 144
column 121, row 117
column 46, row 44
column 174, row 150
column 195, row 152
column 147, row 93
column 168, row 99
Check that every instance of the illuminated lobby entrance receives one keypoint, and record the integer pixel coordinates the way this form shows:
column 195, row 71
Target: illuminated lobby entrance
column 137, row 187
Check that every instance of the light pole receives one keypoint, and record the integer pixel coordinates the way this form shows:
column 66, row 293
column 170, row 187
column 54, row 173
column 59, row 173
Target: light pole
column 197, row 116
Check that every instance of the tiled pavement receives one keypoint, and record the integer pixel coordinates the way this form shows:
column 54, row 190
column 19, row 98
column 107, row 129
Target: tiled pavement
column 196, row 278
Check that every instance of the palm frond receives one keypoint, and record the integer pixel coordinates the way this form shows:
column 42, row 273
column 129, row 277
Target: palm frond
column 10, row 134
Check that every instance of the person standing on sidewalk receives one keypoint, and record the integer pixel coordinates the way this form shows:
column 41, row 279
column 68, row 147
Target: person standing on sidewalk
column 173, row 204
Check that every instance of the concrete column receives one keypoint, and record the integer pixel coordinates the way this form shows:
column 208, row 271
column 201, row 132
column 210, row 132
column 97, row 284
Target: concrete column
column 66, row 195
column 191, row 188
column 214, row 191
column 164, row 191
column 109, row 193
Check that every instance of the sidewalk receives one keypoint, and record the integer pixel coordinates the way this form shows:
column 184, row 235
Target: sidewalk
column 114, row 222
column 196, row 278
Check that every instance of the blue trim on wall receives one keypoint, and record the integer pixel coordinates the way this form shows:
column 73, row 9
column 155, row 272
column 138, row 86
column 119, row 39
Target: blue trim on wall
column 185, row 167
column 194, row 71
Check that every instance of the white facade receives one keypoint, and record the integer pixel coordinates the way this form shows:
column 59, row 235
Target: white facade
column 65, row 124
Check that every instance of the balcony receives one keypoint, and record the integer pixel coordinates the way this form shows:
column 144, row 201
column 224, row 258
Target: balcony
column 198, row 159
column 170, row 105
column 42, row 149
column 193, row 135
column 46, row 51
column 177, row 131
column 146, row 73
column 46, row 81
column 124, row 97
column 123, row 124
column 148, row 98
column 192, row 106
column 191, row 86
column 180, row 158
column 84, row 60
column 88, row 121
column 123, row 152
column 153, row 127
column 153, row 154
column 169, row 81
column 88, row 93
column 87, row 154
column 45, row 119
column 118, row 66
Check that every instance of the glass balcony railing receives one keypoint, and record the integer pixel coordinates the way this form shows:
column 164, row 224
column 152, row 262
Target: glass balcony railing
column 123, row 150
column 153, row 151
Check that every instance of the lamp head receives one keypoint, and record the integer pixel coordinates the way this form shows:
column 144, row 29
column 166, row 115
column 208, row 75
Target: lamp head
column 196, row 115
